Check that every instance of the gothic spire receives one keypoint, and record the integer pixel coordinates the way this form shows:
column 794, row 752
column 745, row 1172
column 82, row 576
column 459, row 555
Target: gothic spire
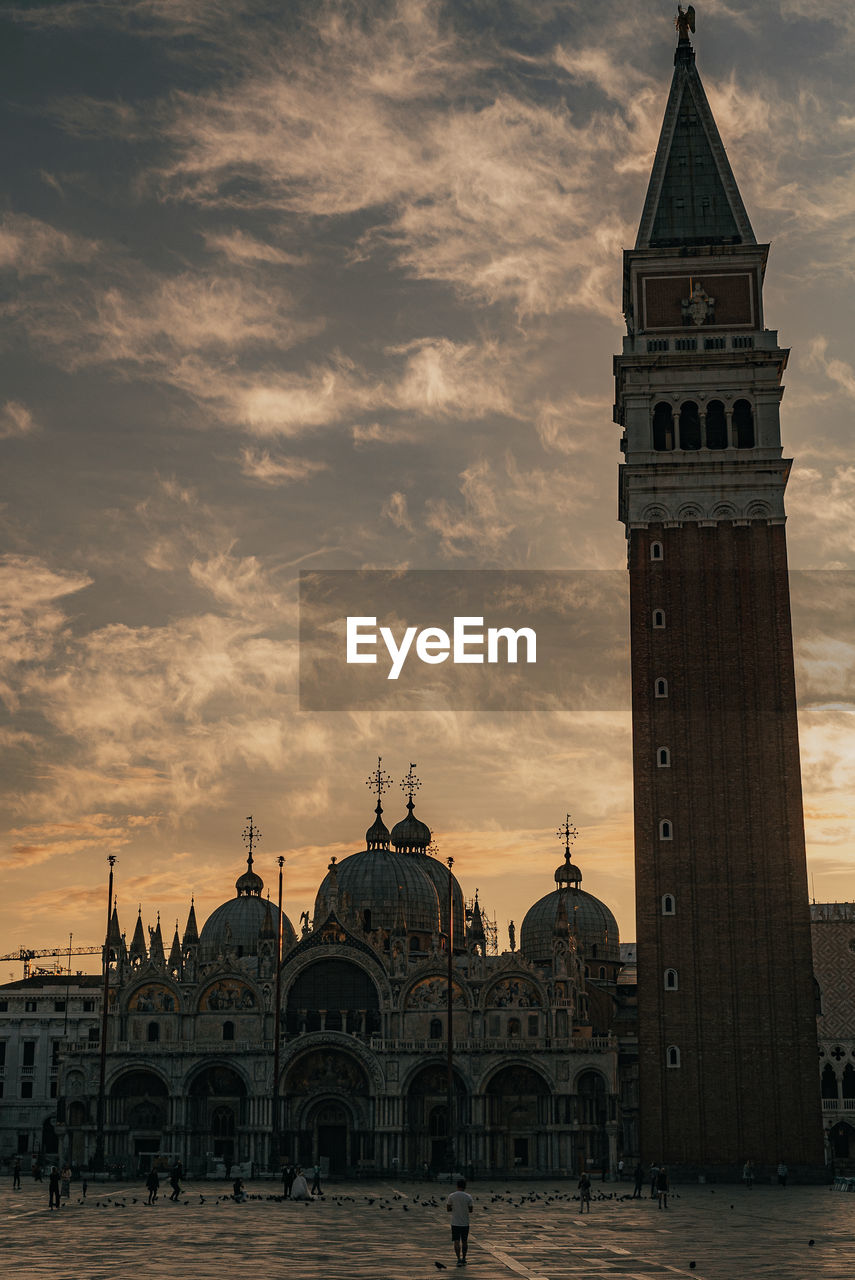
column 138, row 952
column 174, row 962
column 191, row 930
column 156, row 953
column 692, row 198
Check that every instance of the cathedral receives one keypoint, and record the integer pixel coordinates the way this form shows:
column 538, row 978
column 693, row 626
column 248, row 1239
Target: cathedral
column 361, row 1080
column 388, row 1033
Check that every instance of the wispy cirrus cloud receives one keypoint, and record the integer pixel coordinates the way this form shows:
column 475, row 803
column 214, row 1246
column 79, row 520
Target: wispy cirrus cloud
column 15, row 420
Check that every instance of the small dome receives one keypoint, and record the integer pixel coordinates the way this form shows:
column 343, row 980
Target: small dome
column 410, row 835
column 237, row 923
column 590, row 920
column 567, row 873
column 374, row 881
column 377, row 835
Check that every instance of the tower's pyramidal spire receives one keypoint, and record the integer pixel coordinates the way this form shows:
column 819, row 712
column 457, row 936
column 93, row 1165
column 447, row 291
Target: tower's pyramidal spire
column 692, row 198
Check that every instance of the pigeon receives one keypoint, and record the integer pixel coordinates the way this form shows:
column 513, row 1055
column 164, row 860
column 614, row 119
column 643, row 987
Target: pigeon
column 440, row 1266
column 692, row 1266
column 811, row 1243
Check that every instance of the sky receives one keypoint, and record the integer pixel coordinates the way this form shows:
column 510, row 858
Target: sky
column 290, row 286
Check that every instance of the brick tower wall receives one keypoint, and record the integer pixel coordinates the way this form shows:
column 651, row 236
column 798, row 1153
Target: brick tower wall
column 743, row 1015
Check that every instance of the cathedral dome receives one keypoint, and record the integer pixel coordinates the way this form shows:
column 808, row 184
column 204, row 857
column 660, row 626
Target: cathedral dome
column 376, row 881
column 238, row 922
column 590, row 920
column 439, row 873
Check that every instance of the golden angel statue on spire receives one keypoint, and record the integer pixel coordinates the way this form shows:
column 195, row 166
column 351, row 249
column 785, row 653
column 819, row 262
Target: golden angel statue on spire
column 685, row 21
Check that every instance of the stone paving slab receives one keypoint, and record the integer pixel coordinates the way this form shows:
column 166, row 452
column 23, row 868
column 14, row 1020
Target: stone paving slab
column 385, row 1232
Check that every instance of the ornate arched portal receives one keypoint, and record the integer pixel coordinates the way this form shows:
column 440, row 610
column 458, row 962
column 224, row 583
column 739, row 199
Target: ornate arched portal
column 518, row 1117
column 216, row 1113
column 138, row 1114
column 427, row 1118
column 328, row 1113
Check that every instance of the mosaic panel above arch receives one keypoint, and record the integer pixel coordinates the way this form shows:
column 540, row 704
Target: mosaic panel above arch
column 325, row 1070
column 153, row 997
column 227, row 994
column 513, row 993
column 432, row 993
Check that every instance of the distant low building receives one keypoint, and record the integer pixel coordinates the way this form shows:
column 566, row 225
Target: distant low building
column 39, row 1017
column 833, row 937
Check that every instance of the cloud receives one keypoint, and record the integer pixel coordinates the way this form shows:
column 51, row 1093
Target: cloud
column 15, row 420
column 278, row 469
column 31, row 620
column 40, row 842
column 499, row 503
column 30, row 247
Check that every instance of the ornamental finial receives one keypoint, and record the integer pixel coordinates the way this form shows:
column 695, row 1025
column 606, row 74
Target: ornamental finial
column 567, row 833
column 685, row 22
column 250, row 836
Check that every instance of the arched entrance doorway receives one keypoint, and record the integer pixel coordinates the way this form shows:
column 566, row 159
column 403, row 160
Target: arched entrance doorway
column 842, row 1140
column 139, row 1105
column 216, row 1110
column 328, row 1115
column 518, row 1116
column 427, row 1119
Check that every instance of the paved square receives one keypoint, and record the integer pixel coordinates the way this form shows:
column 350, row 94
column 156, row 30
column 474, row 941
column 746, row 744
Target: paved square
column 399, row 1232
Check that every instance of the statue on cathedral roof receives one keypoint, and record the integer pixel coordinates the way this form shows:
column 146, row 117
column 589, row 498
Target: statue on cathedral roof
column 685, row 21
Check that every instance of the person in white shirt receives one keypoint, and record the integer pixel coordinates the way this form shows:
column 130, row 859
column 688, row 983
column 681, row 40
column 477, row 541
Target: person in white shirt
column 460, row 1204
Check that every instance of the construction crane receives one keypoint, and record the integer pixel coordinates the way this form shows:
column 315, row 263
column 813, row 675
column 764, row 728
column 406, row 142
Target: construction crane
column 27, row 955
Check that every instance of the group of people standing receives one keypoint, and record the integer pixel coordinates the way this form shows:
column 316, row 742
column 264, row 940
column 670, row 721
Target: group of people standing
column 59, row 1186
column 659, row 1186
column 296, row 1187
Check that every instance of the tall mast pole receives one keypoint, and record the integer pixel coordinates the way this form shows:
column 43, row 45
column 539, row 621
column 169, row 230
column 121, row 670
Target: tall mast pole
column 277, row 1019
column 102, row 1071
column 449, row 1020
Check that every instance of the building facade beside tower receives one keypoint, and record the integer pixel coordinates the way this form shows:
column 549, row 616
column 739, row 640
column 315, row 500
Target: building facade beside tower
column 726, row 1008
column 364, row 998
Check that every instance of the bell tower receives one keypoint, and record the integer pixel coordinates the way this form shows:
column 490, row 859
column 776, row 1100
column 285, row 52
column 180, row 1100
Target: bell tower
column 727, row 1028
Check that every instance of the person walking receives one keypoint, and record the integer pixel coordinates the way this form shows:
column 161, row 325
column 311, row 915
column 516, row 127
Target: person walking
column 783, row 1171
column 584, row 1193
column 639, row 1181
column 748, row 1174
column 65, row 1182
column 152, row 1183
column 175, row 1175
column 620, row 1170
column 654, row 1174
column 316, row 1184
column 299, row 1187
column 53, row 1188
column 16, row 1176
column 662, row 1187
column 238, row 1192
column 460, row 1205
column 287, row 1180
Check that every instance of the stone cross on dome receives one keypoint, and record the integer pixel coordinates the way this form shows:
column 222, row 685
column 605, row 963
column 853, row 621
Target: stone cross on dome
column 379, row 781
column 377, row 835
column 410, row 785
column 567, row 873
column 250, row 883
